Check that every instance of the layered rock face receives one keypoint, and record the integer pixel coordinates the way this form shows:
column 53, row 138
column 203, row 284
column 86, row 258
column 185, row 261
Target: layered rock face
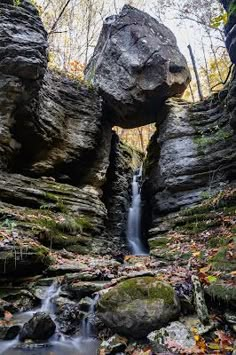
column 136, row 65
column 190, row 157
column 230, row 28
column 55, row 152
column 117, row 190
column 230, row 31
column 23, row 62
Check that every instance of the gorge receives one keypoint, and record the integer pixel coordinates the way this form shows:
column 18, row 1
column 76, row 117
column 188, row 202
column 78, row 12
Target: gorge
column 74, row 202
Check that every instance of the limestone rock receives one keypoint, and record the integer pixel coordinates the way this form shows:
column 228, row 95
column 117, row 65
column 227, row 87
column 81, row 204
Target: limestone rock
column 136, row 65
column 230, row 28
column 137, row 306
column 82, row 289
column 113, row 345
column 176, row 332
column 65, row 123
column 191, row 155
column 81, row 213
column 23, row 61
column 117, row 191
column 39, row 328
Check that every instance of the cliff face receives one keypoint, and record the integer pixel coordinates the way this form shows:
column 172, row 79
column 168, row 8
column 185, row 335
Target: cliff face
column 55, row 153
column 190, row 157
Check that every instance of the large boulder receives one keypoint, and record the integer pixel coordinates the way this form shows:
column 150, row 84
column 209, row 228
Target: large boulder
column 39, row 328
column 136, row 65
column 137, row 306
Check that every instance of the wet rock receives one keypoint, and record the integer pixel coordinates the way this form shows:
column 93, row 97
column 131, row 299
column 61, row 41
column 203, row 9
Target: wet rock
column 62, row 269
column 68, row 315
column 82, row 289
column 85, row 304
column 9, row 332
column 39, row 328
column 137, row 306
column 20, row 300
column 136, row 65
column 176, row 332
column 114, row 345
column 6, row 306
column 116, row 191
column 16, row 260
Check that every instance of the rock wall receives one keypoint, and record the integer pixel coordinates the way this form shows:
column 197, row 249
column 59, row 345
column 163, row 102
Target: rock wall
column 190, row 157
column 230, row 28
column 55, row 151
column 117, row 191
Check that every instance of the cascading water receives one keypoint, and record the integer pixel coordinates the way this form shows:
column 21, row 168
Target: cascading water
column 85, row 344
column 134, row 234
column 47, row 304
column 87, row 323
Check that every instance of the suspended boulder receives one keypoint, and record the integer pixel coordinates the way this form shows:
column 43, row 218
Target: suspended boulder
column 136, row 65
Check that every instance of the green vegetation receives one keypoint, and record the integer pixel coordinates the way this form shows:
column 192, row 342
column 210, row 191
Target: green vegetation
column 143, row 288
column 205, row 140
column 221, row 292
column 16, row 2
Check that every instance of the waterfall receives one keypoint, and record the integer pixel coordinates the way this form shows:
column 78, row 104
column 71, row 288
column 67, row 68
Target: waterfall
column 47, row 304
column 87, row 323
column 134, row 234
column 60, row 344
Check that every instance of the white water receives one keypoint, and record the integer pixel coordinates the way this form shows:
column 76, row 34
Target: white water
column 85, row 344
column 87, row 330
column 134, row 234
column 47, row 304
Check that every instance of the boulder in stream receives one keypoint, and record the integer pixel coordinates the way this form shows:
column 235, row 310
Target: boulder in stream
column 136, row 65
column 137, row 306
column 39, row 328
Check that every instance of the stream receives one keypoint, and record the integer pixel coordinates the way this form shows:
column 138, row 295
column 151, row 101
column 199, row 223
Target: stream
column 59, row 344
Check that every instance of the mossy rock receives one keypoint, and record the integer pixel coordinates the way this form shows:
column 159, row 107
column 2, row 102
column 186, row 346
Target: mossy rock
column 24, row 261
column 220, row 262
column 222, row 293
column 137, row 306
column 158, row 242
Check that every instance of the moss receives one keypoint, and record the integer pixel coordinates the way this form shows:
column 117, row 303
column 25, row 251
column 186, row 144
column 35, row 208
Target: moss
column 198, row 227
column 222, row 292
column 159, row 242
column 79, row 249
column 204, row 140
column 57, row 202
column 218, row 241
column 142, row 288
column 220, row 262
column 224, row 201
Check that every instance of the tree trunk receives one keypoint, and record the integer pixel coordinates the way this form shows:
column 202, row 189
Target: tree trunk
column 206, row 68
column 195, row 72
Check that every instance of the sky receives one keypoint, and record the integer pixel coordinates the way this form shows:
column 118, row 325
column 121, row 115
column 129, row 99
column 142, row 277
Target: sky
column 185, row 31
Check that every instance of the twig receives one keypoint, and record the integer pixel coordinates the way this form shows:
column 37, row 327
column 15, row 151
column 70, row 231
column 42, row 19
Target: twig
column 59, row 17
